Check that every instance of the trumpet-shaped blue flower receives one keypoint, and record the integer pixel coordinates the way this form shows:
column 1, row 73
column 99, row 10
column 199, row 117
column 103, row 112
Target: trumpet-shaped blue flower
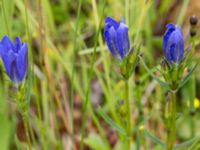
column 15, row 58
column 116, row 36
column 173, row 44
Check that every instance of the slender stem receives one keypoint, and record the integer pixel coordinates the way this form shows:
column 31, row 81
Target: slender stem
column 127, row 3
column 30, row 57
column 128, row 108
column 23, row 109
column 5, row 18
column 91, row 69
column 105, row 65
column 73, row 72
column 172, row 120
column 193, row 83
column 26, row 126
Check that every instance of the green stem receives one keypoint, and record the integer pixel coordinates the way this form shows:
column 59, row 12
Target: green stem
column 73, row 72
column 23, row 109
column 5, row 18
column 127, row 3
column 26, row 126
column 87, row 93
column 172, row 120
column 128, row 128
column 31, row 57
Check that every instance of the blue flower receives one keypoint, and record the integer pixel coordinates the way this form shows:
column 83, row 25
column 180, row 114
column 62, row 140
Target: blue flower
column 15, row 58
column 173, row 44
column 116, row 36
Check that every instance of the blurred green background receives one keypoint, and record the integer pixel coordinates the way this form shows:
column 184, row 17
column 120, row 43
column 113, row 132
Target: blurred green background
column 61, row 47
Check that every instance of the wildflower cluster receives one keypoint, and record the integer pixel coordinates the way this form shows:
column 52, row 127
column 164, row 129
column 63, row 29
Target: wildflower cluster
column 172, row 68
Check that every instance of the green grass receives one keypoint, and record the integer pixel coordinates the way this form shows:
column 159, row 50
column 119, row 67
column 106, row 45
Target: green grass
column 74, row 90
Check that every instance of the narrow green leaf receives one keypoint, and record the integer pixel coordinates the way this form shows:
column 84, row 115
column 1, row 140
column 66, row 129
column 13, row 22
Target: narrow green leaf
column 113, row 124
column 7, row 10
column 195, row 145
column 155, row 139
column 185, row 144
column 95, row 142
column 162, row 83
column 187, row 77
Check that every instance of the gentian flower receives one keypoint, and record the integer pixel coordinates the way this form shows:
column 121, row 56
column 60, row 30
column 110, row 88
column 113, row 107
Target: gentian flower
column 15, row 58
column 173, row 44
column 116, row 36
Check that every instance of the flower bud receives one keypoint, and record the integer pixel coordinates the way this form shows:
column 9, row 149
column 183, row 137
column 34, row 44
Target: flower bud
column 116, row 36
column 15, row 58
column 173, row 44
column 193, row 20
column 192, row 32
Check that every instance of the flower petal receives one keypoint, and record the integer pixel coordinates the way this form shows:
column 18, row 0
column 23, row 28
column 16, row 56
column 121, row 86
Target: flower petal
column 14, row 74
column 22, row 61
column 111, row 40
column 3, row 50
column 8, row 59
column 7, row 43
column 170, row 29
column 123, row 40
column 173, row 44
column 175, row 47
column 112, row 22
column 18, row 44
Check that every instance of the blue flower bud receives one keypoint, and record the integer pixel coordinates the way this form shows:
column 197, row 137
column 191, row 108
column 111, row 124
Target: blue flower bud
column 15, row 58
column 173, row 44
column 116, row 36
